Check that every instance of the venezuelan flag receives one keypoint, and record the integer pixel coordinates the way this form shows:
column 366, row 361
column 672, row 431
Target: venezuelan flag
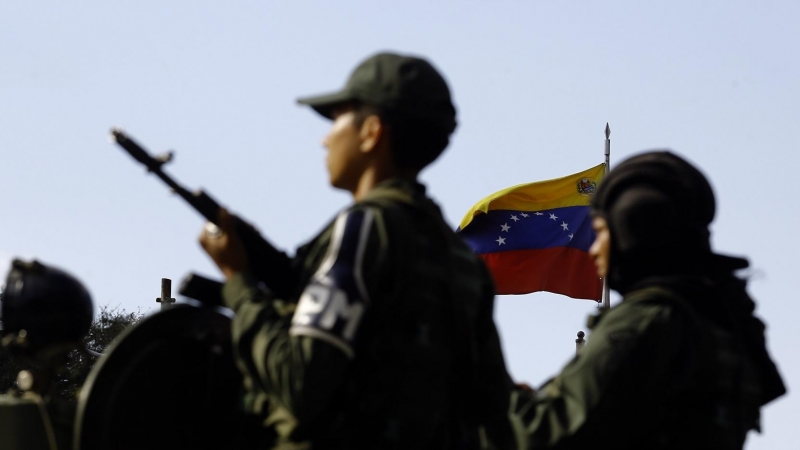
column 536, row 236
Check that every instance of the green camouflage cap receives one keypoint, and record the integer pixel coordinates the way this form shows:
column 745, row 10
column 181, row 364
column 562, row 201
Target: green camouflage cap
column 399, row 85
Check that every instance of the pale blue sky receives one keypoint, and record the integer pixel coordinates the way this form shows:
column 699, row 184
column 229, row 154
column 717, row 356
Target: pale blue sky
column 534, row 82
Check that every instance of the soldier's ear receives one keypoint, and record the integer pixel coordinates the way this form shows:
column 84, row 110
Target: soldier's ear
column 371, row 132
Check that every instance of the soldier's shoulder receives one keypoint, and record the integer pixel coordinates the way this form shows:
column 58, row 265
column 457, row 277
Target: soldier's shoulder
column 638, row 309
column 652, row 298
column 646, row 308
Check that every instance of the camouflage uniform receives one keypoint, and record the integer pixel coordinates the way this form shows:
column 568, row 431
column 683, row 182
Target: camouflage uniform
column 392, row 343
column 654, row 374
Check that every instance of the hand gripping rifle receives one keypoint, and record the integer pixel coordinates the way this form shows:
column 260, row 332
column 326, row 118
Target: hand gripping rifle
column 267, row 264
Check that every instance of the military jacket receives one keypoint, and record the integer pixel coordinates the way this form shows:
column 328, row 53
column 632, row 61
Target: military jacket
column 389, row 342
column 652, row 375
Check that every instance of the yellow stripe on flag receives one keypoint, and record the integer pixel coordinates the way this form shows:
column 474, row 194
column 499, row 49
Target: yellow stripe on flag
column 540, row 195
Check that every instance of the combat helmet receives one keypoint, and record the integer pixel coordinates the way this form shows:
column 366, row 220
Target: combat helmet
column 43, row 306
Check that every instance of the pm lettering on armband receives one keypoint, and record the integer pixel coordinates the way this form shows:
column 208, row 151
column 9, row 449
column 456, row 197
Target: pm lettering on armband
column 327, row 309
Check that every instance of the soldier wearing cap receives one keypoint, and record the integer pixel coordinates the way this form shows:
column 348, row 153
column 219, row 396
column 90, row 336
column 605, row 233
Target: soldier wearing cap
column 392, row 342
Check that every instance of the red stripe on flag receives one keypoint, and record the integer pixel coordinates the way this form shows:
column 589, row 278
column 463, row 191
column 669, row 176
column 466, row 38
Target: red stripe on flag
column 562, row 270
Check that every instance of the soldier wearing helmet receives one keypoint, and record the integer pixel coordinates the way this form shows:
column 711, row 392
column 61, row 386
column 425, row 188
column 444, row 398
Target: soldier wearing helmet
column 46, row 313
column 682, row 361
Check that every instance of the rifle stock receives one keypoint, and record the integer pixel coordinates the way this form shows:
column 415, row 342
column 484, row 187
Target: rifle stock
column 205, row 290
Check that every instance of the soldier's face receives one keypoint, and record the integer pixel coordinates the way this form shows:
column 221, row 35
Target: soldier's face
column 601, row 248
column 345, row 160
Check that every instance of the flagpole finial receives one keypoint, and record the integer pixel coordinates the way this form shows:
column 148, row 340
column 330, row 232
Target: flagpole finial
column 608, row 131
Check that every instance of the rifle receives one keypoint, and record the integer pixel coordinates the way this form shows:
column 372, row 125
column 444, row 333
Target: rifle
column 267, row 264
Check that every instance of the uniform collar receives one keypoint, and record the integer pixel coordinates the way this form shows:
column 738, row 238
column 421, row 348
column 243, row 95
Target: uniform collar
column 405, row 189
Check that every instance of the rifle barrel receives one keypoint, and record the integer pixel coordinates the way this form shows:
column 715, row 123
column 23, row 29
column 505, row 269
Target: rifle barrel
column 267, row 263
column 154, row 165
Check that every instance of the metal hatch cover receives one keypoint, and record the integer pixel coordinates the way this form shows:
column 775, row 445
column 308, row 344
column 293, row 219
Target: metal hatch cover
column 169, row 382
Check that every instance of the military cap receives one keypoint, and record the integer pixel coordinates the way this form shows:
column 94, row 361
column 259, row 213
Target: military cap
column 398, row 85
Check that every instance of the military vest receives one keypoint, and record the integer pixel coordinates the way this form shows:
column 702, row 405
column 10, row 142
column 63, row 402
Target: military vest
column 714, row 401
column 415, row 364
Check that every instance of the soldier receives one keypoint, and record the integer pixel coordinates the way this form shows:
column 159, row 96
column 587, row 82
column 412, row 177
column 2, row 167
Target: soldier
column 392, row 343
column 681, row 363
column 46, row 313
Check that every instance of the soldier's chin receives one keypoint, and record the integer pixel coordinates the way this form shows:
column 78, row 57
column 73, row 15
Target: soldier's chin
column 340, row 182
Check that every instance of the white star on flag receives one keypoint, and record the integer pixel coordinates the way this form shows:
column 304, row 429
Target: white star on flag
column 565, row 226
column 538, row 213
column 570, row 236
column 500, row 241
column 505, row 227
column 523, row 214
column 553, row 216
column 514, row 218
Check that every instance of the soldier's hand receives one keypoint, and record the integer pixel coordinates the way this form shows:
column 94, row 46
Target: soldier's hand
column 224, row 246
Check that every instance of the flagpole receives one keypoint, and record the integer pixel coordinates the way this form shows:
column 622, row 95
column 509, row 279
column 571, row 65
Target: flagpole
column 606, row 290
